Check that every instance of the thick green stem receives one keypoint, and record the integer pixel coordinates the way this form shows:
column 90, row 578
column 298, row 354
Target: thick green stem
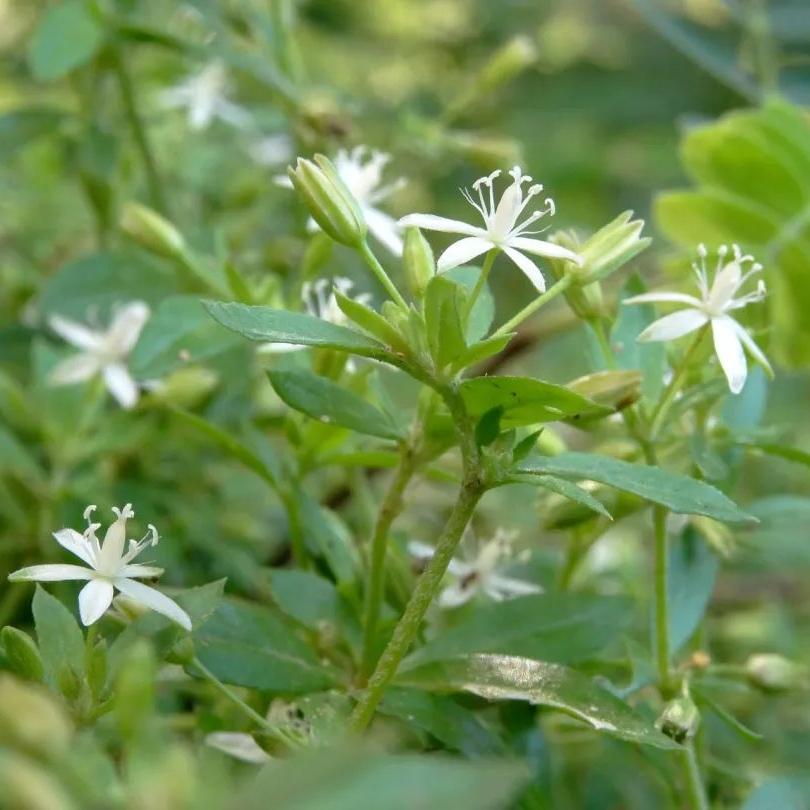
column 382, row 276
column 694, row 781
column 489, row 260
column 156, row 195
column 423, row 595
column 661, row 597
column 375, row 586
column 549, row 295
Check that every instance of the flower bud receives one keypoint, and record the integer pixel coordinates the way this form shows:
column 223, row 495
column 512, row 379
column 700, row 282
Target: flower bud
column 611, row 247
column 152, row 231
column 584, row 297
column 30, row 718
column 22, row 654
column 680, row 719
column 774, row 673
column 417, row 258
column 329, row 201
column 182, row 652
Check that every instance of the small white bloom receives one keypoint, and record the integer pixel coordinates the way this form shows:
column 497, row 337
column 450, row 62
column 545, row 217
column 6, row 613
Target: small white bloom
column 272, row 150
column 102, row 351
column 361, row 170
column 204, row 95
column 238, row 745
column 713, row 306
column 110, row 568
column 481, row 574
column 319, row 301
column 501, row 231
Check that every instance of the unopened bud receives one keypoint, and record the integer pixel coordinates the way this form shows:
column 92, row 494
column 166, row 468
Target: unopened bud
column 329, row 201
column 680, row 719
column 22, row 654
column 418, row 261
column 151, row 230
column 583, row 296
column 611, row 247
column 30, row 718
column 615, row 389
column 182, row 652
column 774, row 673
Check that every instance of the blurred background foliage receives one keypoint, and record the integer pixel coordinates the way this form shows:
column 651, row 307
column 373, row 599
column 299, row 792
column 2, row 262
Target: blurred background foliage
column 612, row 104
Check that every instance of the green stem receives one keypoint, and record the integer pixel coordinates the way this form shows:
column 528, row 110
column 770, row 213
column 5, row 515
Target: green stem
column 375, row 586
column 489, row 260
column 378, row 270
column 156, row 195
column 549, row 295
column 598, row 329
column 297, row 546
column 694, row 781
column 426, row 589
column 262, row 722
column 661, row 597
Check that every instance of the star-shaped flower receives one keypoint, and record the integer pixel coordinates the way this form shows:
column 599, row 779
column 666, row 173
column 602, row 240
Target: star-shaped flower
column 502, row 229
column 109, row 568
column 102, row 351
column 713, row 306
column 204, row 95
column 482, row 574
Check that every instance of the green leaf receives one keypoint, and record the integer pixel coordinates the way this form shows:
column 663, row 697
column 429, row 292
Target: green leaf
column 19, row 128
column 508, row 677
column 443, row 305
column 15, row 458
column 250, row 645
column 786, row 793
column 479, row 352
column 570, row 490
column 325, row 400
column 562, row 627
column 525, row 400
column 306, row 597
column 67, row 37
column 489, row 426
column 280, row 326
column 777, row 543
column 348, row 778
column 372, row 322
column 179, row 332
column 677, row 492
column 60, row 640
column 483, row 310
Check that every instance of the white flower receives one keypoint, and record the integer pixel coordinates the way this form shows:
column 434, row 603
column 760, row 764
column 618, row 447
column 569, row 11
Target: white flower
column 480, row 575
column 714, row 305
column 319, row 301
column 361, row 170
column 238, row 745
column 204, row 96
column 110, row 568
column 501, row 229
column 102, row 351
column 272, row 150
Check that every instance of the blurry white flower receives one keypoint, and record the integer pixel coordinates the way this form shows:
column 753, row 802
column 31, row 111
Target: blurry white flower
column 204, row 96
column 481, row 574
column 102, row 351
column 714, row 305
column 238, row 745
column 110, row 568
column 501, row 229
column 319, row 301
column 272, row 150
column 361, row 171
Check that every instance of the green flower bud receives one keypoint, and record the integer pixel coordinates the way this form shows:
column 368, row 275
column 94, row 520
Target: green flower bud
column 774, row 673
column 22, row 654
column 329, row 201
column 152, row 231
column 680, row 719
column 30, row 718
column 612, row 247
column 584, row 298
column 417, row 258
column 616, row 389
column 182, row 652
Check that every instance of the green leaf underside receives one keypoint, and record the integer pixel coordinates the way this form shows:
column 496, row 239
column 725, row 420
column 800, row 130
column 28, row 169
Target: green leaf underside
column 570, row 490
column 677, row 492
column 506, row 677
column 326, row 401
column 60, row 640
column 526, row 401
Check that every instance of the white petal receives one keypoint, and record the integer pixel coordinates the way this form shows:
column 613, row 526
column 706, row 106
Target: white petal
column 508, row 586
column 528, row 267
column 76, row 333
column 94, row 599
column 121, row 385
column 724, row 286
column 422, row 551
column 730, row 353
column 507, row 211
column 201, row 112
column 138, row 571
column 239, row 746
column 675, row 325
column 278, row 348
column 752, row 347
column 78, row 368
column 232, row 114
column 463, row 251
column 385, row 229
column 126, row 327
column 76, row 544
column 50, row 573
column 540, row 248
column 149, row 597
column 664, row 298
column 430, row 222
column 455, row 595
